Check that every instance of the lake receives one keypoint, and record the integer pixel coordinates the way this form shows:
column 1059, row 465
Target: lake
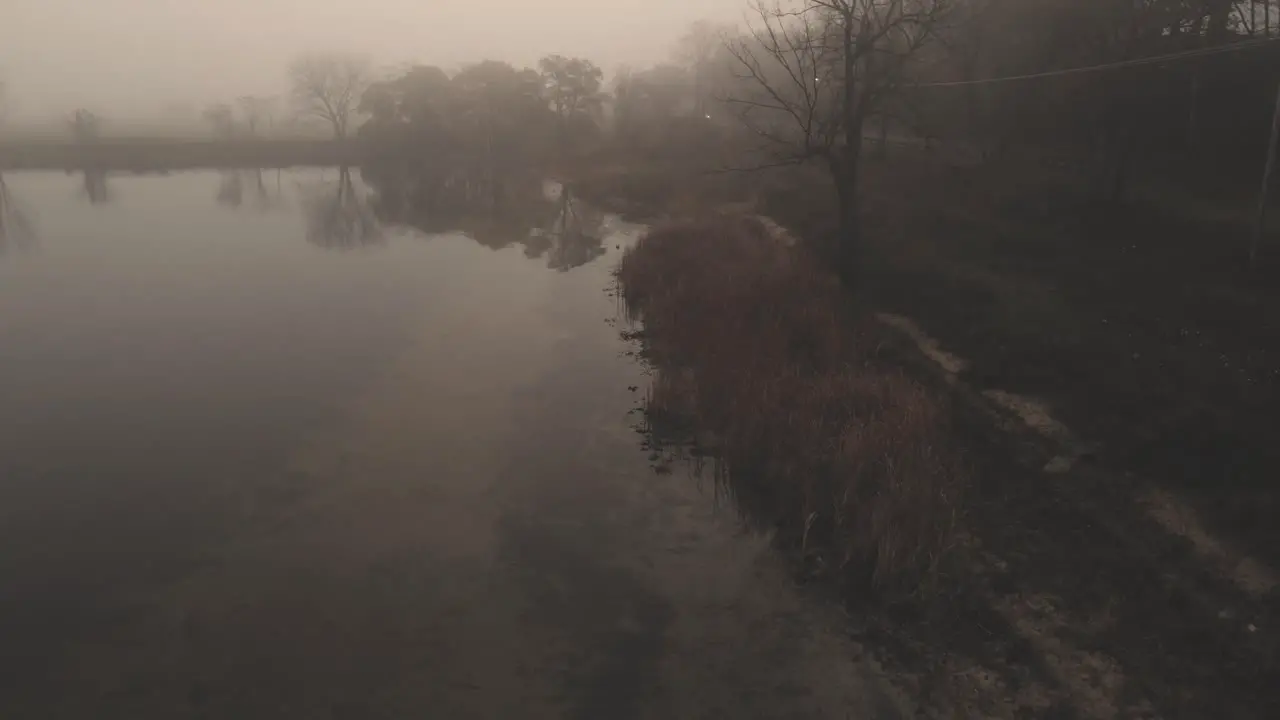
column 291, row 444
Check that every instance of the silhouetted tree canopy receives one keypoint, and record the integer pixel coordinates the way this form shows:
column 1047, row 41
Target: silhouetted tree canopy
column 647, row 98
column 490, row 116
column 700, row 52
column 572, row 87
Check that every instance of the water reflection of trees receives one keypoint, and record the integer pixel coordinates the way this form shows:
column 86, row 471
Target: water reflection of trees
column 16, row 230
column 263, row 195
column 231, row 189
column 94, row 187
column 340, row 217
column 496, row 210
column 576, row 233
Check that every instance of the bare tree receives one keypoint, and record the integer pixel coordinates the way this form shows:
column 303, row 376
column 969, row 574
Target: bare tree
column 256, row 110
column 85, row 126
column 329, row 87
column 812, row 72
column 221, row 119
column 696, row 50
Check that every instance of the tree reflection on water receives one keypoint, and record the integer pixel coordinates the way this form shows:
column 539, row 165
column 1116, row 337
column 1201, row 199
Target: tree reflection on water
column 577, row 233
column 16, row 231
column 94, row 187
column 266, row 196
column 339, row 216
column 231, row 189
column 544, row 218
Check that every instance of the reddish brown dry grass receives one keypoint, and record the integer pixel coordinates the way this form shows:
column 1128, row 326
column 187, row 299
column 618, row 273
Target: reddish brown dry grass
column 849, row 459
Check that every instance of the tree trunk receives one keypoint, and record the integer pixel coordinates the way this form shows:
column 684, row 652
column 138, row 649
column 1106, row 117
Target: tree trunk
column 1219, row 15
column 844, row 175
column 698, row 106
column 848, row 158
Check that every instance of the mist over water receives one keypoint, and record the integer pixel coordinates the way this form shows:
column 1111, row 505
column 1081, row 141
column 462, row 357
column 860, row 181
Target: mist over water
column 279, row 439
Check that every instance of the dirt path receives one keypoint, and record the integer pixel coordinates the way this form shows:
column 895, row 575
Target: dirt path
column 1085, row 592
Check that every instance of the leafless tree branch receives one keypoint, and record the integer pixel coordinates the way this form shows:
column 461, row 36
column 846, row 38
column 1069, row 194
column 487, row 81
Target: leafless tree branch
column 812, row 71
column 329, row 86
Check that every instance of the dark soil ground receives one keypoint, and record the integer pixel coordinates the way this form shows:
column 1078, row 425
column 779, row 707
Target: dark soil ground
column 1066, row 599
column 1140, row 325
column 1073, row 593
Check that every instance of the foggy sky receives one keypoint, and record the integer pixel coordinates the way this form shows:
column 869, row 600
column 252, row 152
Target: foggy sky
column 137, row 58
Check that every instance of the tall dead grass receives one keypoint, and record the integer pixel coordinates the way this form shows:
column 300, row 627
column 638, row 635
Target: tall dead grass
column 849, row 459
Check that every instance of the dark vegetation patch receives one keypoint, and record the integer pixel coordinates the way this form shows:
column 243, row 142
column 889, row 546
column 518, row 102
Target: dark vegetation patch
column 848, row 459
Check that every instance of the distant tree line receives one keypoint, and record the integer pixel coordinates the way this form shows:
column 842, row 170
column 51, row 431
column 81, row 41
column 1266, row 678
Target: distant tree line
column 810, row 81
column 244, row 118
column 489, row 112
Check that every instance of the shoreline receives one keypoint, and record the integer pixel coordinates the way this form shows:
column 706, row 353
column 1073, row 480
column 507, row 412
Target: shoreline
column 165, row 155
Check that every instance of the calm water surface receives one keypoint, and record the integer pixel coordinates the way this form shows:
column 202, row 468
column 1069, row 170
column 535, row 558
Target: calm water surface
column 266, row 454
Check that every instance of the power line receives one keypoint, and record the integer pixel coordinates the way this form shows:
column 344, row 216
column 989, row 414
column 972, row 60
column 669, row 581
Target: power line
column 1154, row 60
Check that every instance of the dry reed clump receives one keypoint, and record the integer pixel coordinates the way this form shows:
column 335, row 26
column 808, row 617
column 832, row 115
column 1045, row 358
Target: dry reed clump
column 848, row 459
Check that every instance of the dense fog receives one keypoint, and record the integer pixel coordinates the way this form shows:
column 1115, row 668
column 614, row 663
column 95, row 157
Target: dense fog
column 156, row 59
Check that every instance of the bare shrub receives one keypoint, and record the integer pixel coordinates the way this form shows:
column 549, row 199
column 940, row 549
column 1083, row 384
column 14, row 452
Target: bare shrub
column 849, row 459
